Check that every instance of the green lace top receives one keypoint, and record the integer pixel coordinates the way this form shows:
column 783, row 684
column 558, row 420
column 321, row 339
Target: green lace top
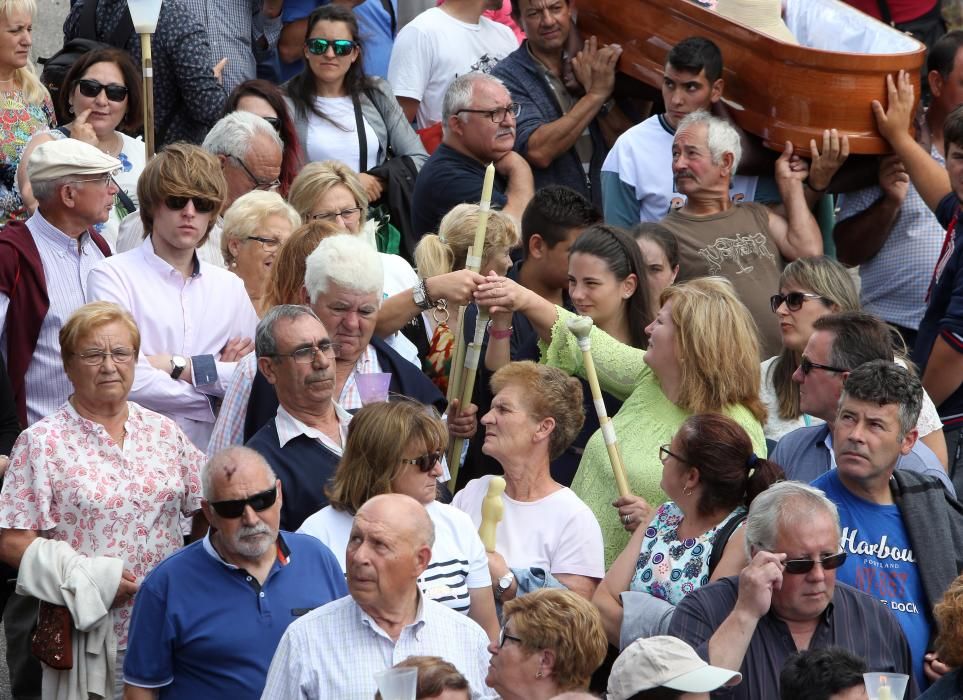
column 646, row 420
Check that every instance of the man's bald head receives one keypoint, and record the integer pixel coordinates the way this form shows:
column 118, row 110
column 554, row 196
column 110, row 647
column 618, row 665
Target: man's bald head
column 223, row 467
column 404, row 514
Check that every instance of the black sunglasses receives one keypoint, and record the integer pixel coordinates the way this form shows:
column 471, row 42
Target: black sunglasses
column 804, row 566
column 319, row 47
column 92, row 88
column 235, row 509
column 274, row 122
column 202, row 205
column 425, row 462
column 793, row 300
column 807, row 366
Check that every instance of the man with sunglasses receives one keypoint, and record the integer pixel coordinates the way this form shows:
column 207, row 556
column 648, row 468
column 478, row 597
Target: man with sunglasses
column 335, row 651
column 903, row 533
column 787, row 599
column 839, row 343
column 479, row 128
column 208, row 619
column 250, row 153
column 196, row 320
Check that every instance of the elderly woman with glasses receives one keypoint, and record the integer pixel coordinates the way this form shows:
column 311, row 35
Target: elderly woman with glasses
column 99, row 486
column 551, row 642
column 339, row 112
column 255, row 226
column 408, row 463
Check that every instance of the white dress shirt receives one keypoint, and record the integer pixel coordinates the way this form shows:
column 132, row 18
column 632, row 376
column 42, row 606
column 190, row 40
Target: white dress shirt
column 193, row 316
column 334, row 651
column 290, row 427
column 131, row 236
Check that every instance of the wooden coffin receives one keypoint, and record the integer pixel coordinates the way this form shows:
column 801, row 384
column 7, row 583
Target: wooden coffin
column 776, row 90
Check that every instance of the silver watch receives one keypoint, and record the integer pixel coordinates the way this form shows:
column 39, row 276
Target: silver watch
column 420, row 295
column 504, row 583
column 178, row 365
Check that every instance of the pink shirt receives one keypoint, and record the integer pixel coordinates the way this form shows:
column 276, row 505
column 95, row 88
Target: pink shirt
column 70, row 481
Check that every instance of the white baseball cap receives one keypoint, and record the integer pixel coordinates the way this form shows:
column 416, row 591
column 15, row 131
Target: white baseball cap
column 664, row 662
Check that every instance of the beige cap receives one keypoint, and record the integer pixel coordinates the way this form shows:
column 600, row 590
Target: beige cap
column 66, row 157
column 765, row 16
column 664, row 662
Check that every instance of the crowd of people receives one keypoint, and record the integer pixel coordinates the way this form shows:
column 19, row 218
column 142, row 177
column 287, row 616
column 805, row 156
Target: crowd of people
column 271, row 425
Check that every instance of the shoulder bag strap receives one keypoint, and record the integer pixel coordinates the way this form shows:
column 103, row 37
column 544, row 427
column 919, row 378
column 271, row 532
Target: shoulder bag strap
column 87, row 24
column 362, row 136
column 389, row 8
column 884, row 12
column 722, row 538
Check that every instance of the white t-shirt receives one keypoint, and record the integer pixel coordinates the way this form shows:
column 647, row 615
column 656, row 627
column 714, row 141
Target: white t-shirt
column 434, row 48
column 642, row 157
column 325, row 141
column 458, row 559
column 558, row 533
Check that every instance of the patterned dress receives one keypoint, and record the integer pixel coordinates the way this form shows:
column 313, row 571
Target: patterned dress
column 19, row 120
column 669, row 567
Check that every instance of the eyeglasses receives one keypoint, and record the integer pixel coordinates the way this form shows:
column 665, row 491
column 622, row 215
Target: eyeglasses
column 105, row 179
column 274, row 122
column 792, row 300
column 503, row 635
column 305, row 356
column 258, row 184
column 665, row 453
column 806, row 366
column 804, row 566
column 201, row 205
column 425, row 462
column 345, row 214
column 498, row 114
column 120, row 356
column 92, row 88
column 268, row 244
column 258, row 502
column 342, row 47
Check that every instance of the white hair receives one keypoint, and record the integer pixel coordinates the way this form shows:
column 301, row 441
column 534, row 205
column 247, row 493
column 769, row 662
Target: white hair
column 721, row 137
column 460, row 93
column 234, row 133
column 349, row 262
column 784, row 505
column 248, row 214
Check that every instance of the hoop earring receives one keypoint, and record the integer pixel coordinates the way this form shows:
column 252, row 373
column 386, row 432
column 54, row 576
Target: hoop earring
column 687, row 492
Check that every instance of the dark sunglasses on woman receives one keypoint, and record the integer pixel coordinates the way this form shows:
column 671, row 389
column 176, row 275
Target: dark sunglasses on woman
column 793, row 300
column 319, row 47
column 92, row 88
column 235, row 509
column 425, row 462
column 200, row 204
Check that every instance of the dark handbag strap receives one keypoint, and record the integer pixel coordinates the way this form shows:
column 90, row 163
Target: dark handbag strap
column 884, row 12
column 389, row 8
column 721, row 539
column 87, row 26
column 362, row 136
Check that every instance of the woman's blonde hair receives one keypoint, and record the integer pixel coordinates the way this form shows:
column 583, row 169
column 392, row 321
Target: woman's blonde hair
column 286, row 278
column 446, row 251
column 717, row 346
column 949, row 619
column 314, row 181
column 88, row 318
column 832, row 282
column 248, row 213
column 378, row 436
column 33, row 90
column 567, row 624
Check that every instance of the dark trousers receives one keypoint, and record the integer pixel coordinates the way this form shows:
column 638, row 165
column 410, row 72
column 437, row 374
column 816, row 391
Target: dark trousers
column 19, row 621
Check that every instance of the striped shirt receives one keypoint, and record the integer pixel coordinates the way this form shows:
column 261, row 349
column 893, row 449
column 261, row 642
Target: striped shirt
column 853, row 620
column 334, row 651
column 65, row 267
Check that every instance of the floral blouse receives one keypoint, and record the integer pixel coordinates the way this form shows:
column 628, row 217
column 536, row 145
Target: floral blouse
column 70, row 481
column 18, row 122
column 670, row 568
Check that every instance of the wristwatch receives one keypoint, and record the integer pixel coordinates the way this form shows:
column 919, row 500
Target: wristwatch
column 178, row 364
column 504, row 583
column 420, row 295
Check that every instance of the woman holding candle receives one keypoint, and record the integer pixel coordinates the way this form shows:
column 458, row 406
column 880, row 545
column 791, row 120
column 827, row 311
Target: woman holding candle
column 682, row 372
column 409, row 463
column 25, row 105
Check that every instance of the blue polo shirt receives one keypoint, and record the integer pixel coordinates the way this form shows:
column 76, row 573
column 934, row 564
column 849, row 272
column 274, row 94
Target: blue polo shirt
column 203, row 628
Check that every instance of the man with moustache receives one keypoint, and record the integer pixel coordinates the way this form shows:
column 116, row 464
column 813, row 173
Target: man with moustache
column 560, row 134
column 788, row 599
column 335, row 651
column 479, row 127
column 902, row 532
column 195, row 320
column 207, row 620
column 304, row 441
